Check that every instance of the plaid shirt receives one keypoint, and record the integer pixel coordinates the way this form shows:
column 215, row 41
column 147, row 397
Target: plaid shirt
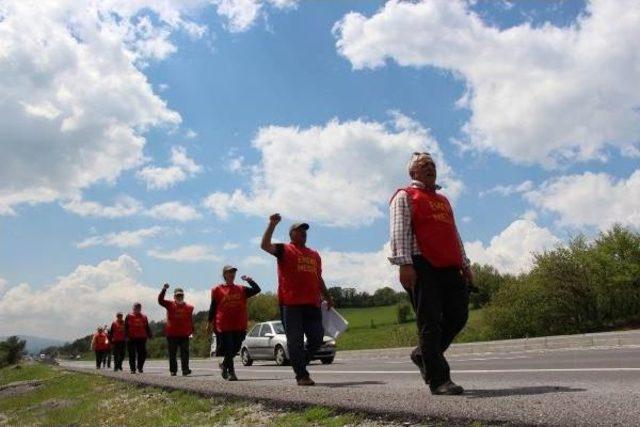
column 402, row 240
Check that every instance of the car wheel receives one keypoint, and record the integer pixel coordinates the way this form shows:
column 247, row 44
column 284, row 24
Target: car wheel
column 327, row 361
column 280, row 356
column 246, row 359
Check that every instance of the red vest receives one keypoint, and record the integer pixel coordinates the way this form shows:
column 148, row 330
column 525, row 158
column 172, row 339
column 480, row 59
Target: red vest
column 117, row 331
column 231, row 308
column 435, row 228
column 299, row 274
column 101, row 341
column 137, row 326
column 179, row 320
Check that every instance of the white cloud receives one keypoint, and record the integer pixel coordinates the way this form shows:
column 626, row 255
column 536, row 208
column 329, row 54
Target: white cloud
column 123, row 239
column 511, row 250
column 175, row 211
column 590, row 199
column 242, row 14
column 182, row 167
column 190, row 253
column 256, row 260
column 74, row 104
column 229, row 246
column 3, row 284
column 124, row 206
column 365, row 271
column 344, row 172
column 191, row 134
column 536, row 94
column 88, row 297
column 507, row 190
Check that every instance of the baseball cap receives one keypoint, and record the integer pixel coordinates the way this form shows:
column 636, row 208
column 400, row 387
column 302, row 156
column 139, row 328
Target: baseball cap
column 297, row 225
column 178, row 291
column 228, row 268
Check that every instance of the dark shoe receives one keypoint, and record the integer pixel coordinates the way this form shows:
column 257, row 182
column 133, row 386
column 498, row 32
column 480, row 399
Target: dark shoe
column 187, row 372
column 232, row 376
column 173, row 374
column 225, row 372
column 305, row 381
column 133, row 371
column 140, row 370
column 448, row 389
column 417, row 360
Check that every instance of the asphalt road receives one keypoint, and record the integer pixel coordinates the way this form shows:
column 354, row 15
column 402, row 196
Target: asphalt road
column 590, row 387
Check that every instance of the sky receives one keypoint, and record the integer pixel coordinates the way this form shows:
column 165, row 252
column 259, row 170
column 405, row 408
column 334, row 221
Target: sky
column 148, row 141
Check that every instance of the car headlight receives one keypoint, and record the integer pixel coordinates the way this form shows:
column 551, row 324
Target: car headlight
column 330, row 343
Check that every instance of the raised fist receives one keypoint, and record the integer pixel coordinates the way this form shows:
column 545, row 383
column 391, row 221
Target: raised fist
column 275, row 218
column 246, row 278
column 166, row 286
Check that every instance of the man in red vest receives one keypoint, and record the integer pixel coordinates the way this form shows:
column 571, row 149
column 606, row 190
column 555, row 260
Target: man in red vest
column 434, row 269
column 300, row 291
column 117, row 339
column 178, row 328
column 137, row 331
column 228, row 317
column 100, row 345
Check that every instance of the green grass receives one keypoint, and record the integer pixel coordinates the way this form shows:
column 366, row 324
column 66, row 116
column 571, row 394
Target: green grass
column 68, row 398
column 377, row 327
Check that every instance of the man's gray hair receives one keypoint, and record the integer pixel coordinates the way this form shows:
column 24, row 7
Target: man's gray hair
column 416, row 157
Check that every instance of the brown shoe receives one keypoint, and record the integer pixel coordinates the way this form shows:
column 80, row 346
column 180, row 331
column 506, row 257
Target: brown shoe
column 448, row 389
column 305, row 381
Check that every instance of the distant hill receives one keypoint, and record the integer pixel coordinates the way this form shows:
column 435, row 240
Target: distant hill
column 35, row 344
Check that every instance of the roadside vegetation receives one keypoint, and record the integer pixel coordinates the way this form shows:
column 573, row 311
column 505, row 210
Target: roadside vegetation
column 584, row 286
column 39, row 394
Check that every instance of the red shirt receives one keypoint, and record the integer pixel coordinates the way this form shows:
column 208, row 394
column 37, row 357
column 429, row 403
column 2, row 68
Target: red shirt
column 231, row 308
column 117, row 331
column 179, row 319
column 299, row 275
column 435, row 228
column 100, row 342
column 137, row 325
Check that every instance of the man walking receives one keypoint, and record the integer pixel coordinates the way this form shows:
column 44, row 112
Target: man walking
column 100, row 345
column 300, row 287
column 434, row 270
column 228, row 317
column 117, row 339
column 178, row 329
column 137, row 331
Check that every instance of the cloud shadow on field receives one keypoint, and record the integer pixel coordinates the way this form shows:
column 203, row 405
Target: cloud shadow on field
column 519, row 391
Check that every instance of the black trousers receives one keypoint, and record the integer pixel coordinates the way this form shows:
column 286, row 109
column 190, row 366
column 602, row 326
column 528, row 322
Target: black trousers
column 298, row 321
column 229, row 344
column 118, row 355
column 441, row 302
column 100, row 356
column 175, row 343
column 106, row 359
column 137, row 349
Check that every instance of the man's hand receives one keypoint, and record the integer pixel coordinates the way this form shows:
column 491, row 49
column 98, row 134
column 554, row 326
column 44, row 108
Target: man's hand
column 246, row 278
column 467, row 273
column 329, row 300
column 275, row 219
column 165, row 286
column 408, row 276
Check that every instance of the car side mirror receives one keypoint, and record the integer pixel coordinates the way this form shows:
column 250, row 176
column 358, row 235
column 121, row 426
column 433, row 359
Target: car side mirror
column 269, row 335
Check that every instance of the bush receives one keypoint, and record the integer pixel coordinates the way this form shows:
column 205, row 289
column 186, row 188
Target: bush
column 263, row 307
column 11, row 351
column 403, row 312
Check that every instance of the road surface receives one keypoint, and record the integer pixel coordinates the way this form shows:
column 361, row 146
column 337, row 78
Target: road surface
column 591, row 386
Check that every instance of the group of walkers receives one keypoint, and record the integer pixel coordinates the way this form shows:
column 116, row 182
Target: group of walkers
column 433, row 269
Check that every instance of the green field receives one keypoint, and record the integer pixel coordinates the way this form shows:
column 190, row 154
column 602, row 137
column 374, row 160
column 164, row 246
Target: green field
column 66, row 398
column 377, row 327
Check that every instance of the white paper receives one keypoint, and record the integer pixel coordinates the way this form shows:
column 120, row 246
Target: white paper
column 334, row 324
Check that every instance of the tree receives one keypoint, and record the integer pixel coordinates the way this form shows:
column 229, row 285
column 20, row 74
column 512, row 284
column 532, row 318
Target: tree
column 384, row 296
column 11, row 351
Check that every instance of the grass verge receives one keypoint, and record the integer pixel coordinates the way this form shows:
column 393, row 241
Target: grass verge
column 69, row 398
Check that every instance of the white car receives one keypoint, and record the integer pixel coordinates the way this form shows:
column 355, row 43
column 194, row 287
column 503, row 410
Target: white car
column 267, row 341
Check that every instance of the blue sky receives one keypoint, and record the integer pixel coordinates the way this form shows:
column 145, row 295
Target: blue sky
column 230, row 110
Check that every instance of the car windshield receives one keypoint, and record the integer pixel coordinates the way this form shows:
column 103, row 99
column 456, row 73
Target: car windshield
column 278, row 328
